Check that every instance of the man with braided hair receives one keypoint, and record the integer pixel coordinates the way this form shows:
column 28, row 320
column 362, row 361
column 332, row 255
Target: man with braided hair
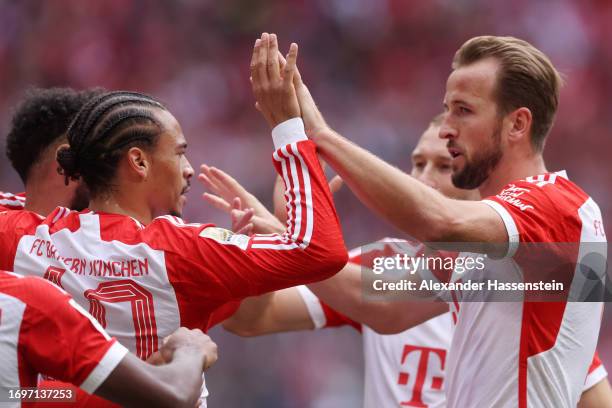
column 137, row 267
column 38, row 128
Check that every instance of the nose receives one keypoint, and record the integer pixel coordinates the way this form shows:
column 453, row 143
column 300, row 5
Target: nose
column 447, row 130
column 188, row 171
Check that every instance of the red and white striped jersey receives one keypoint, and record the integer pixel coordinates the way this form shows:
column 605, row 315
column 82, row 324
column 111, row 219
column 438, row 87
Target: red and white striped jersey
column 404, row 369
column 144, row 282
column 9, row 201
column 43, row 331
column 528, row 353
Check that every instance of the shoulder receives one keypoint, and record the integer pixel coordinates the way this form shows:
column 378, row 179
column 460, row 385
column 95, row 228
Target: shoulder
column 37, row 293
column 10, row 201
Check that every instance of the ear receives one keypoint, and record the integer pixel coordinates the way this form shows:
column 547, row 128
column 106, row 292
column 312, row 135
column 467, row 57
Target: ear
column 520, row 125
column 58, row 167
column 138, row 162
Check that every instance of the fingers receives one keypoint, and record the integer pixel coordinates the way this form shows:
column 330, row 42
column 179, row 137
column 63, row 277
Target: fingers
column 246, row 230
column 261, row 63
column 335, row 184
column 156, row 359
column 281, row 60
column 217, row 202
column 272, row 61
column 241, row 219
column 254, row 59
column 290, row 66
column 228, row 182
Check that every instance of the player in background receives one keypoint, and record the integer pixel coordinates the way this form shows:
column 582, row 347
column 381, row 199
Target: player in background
column 405, row 369
column 34, row 311
column 500, row 102
column 141, row 272
column 38, row 127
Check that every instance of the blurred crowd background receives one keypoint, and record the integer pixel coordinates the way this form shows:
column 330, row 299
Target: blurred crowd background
column 377, row 69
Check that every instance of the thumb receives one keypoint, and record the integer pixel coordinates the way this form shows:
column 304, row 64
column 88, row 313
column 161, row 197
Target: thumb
column 335, row 184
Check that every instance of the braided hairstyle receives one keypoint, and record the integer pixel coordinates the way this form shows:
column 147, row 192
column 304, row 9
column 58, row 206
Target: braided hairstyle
column 106, row 127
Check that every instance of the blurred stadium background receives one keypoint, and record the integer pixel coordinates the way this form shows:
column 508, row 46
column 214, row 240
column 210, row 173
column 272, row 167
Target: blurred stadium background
column 377, row 69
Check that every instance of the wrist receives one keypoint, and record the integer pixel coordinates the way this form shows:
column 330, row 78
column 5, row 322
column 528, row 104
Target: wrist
column 287, row 132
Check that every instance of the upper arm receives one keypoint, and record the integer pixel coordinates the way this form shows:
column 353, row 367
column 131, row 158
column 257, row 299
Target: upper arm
column 281, row 311
column 600, row 395
column 345, row 293
column 478, row 222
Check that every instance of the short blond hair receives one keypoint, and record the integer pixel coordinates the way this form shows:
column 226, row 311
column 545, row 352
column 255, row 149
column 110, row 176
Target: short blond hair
column 526, row 78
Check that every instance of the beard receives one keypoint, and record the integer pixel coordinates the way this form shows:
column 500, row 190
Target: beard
column 80, row 200
column 477, row 169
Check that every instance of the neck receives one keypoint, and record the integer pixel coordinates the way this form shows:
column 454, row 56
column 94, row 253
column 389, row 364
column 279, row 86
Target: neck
column 44, row 193
column 117, row 203
column 508, row 171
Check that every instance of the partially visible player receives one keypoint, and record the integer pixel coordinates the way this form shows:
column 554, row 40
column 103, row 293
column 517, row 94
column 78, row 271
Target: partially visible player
column 38, row 127
column 500, row 102
column 138, row 268
column 43, row 331
column 405, row 369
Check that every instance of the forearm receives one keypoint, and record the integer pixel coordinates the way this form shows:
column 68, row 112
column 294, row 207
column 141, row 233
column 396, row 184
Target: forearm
column 345, row 293
column 276, row 312
column 135, row 383
column 408, row 204
column 248, row 319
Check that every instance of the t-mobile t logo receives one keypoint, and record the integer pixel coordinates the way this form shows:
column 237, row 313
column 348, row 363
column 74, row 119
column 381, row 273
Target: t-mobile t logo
column 421, row 374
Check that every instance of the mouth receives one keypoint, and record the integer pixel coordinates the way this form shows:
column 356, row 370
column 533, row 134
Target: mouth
column 185, row 190
column 454, row 152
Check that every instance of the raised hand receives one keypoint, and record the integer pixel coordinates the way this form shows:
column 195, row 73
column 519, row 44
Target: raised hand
column 274, row 89
column 248, row 214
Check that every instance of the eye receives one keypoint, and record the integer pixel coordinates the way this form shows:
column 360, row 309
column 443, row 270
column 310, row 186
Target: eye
column 463, row 110
column 444, row 167
column 419, row 165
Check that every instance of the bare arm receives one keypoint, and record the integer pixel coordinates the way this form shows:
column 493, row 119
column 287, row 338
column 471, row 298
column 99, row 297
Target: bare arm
column 275, row 312
column 285, row 310
column 134, row 383
column 416, row 209
column 598, row 396
column 344, row 292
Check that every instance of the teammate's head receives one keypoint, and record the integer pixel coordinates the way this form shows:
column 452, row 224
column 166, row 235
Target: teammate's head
column 38, row 127
column 128, row 143
column 431, row 163
column 502, row 93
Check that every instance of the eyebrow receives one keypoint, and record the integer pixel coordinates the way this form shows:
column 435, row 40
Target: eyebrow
column 460, row 102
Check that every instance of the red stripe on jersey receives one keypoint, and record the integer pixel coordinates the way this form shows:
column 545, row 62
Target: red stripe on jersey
column 546, row 211
column 596, row 363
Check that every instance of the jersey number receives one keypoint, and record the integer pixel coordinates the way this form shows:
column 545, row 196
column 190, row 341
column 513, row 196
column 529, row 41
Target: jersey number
column 143, row 312
column 124, row 290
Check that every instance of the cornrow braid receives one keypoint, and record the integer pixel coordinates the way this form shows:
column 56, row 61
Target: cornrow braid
column 102, row 131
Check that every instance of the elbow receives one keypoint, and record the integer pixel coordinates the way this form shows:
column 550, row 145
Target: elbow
column 240, row 329
column 333, row 261
column 184, row 401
